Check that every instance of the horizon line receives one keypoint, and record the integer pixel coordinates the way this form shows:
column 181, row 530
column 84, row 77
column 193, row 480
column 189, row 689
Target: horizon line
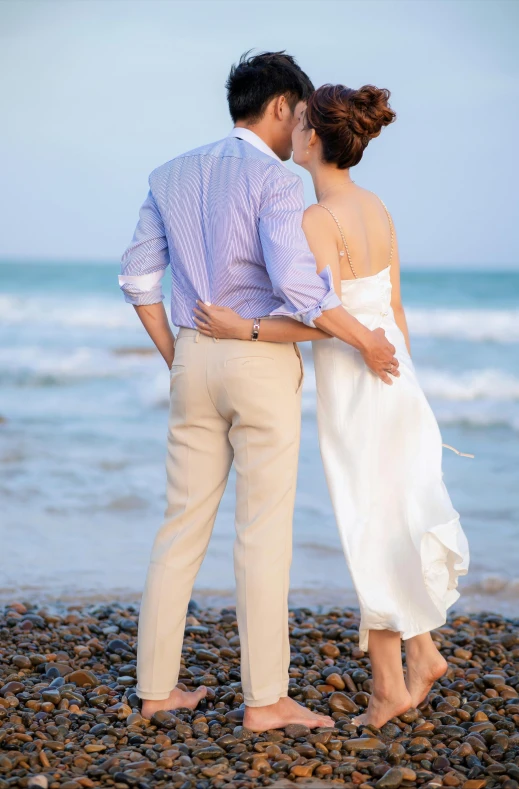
column 65, row 261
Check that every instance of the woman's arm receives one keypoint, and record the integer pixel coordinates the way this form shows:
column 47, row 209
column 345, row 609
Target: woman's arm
column 396, row 296
column 224, row 323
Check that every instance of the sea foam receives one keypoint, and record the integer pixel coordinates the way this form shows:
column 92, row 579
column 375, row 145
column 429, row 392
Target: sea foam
column 476, row 325
column 105, row 312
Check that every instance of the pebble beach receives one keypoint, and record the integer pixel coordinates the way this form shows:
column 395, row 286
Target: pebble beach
column 69, row 714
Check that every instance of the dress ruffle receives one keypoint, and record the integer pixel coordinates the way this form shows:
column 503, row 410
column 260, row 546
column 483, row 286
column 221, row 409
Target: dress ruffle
column 444, row 553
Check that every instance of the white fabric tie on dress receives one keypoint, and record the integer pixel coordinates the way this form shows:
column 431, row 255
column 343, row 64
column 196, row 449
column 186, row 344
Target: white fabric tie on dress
column 461, row 454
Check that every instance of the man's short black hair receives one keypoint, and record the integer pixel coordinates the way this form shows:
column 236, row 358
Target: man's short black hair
column 258, row 79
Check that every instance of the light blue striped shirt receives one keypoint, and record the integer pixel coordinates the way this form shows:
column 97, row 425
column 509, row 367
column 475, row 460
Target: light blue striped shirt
column 227, row 218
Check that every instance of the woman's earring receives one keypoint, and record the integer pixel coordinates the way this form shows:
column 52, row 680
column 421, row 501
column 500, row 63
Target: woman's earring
column 307, row 152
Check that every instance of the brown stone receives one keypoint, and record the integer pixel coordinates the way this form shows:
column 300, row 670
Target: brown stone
column 395, row 752
column 18, row 607
column 476, row 743
column 336, row 681
column 215, row 769
column 451, row 780
column 464, row 654
column 296, row 730
column 21, row 661
column 330, row 650
column 422, row 741
column 410, row 716
column 349, row 683
column 11, row 688
column 82, row 677
column 121, row 710
column 425, row 726
column 324, row 769
column 392, row 779
column 260, row 763
column 312, row 693
column 164, row 718
column 365, row 744
column 491, row 680
column 340, row 702
column 483, row 726
column 463, row 750
column 304, row 770
column 325, row 688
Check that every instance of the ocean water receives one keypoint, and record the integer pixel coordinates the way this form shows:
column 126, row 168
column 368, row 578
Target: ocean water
column 83, row 412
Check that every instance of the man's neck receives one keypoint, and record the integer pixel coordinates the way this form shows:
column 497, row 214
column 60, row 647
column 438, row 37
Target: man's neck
column 261, row 130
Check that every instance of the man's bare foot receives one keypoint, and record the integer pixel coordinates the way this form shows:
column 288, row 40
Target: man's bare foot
column 383, row 707
column 421, row 676
column 281, row 714
column 177, row 698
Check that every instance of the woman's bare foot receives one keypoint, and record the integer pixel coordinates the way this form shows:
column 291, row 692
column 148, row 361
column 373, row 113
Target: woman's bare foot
column 424, row 666
column 281, row 714
column 420, row 677
column 390, row 696
column 177, row 698
column 383, row 707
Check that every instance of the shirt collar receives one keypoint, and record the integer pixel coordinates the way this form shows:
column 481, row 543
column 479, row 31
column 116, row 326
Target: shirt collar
column 252, row 138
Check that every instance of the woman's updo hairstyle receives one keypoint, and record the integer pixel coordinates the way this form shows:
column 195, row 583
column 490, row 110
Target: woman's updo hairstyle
column 345, row 120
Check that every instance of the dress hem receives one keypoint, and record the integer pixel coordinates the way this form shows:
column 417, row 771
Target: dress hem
column 444, row 558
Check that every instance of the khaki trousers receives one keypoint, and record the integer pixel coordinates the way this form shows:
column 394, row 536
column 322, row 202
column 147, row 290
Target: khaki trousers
column 241, row 401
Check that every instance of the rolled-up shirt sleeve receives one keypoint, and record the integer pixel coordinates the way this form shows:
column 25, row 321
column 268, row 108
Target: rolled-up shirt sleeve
column 146, row 259
column 289, row 261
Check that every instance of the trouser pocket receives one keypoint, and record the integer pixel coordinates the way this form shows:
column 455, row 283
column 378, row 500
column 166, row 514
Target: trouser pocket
column 301, row 367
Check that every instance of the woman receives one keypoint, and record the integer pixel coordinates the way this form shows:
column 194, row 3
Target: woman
column 381, row 446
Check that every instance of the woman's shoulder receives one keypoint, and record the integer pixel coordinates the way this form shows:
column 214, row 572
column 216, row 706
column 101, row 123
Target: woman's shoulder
column 320, row 230
column 314, row 214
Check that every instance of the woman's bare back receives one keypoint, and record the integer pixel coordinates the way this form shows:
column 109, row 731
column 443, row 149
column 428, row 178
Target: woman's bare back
column 362, row 229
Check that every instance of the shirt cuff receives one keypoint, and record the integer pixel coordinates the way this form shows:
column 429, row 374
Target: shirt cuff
column 142, row 289
column 329, row 301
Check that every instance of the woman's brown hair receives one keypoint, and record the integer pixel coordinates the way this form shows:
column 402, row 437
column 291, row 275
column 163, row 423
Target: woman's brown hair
column 345, row 120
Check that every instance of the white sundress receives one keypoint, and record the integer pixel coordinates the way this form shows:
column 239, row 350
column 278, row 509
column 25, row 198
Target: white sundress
column 382, row 454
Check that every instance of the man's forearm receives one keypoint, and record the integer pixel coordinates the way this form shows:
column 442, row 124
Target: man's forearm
column 345, row 327
column 155, row 321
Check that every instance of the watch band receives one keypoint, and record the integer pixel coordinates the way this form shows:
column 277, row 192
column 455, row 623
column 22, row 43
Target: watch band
column 255, row 330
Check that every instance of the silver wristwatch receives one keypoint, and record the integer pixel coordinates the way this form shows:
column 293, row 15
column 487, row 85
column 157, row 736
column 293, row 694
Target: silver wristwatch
column 255, row 330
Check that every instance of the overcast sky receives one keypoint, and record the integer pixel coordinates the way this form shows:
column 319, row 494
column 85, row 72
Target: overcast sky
column 96, row 94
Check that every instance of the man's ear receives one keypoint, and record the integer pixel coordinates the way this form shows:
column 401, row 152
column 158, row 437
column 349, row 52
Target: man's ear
column 281, row 108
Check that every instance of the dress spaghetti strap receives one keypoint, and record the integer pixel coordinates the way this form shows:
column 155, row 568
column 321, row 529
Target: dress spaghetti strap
column 343, row 237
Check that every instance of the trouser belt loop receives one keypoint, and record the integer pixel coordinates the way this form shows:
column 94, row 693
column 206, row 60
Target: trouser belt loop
column 197, row 336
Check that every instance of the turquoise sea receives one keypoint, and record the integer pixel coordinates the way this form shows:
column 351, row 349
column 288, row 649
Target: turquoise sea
column 83, row 410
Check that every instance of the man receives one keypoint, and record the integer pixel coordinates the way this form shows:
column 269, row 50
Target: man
column 227, row 217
